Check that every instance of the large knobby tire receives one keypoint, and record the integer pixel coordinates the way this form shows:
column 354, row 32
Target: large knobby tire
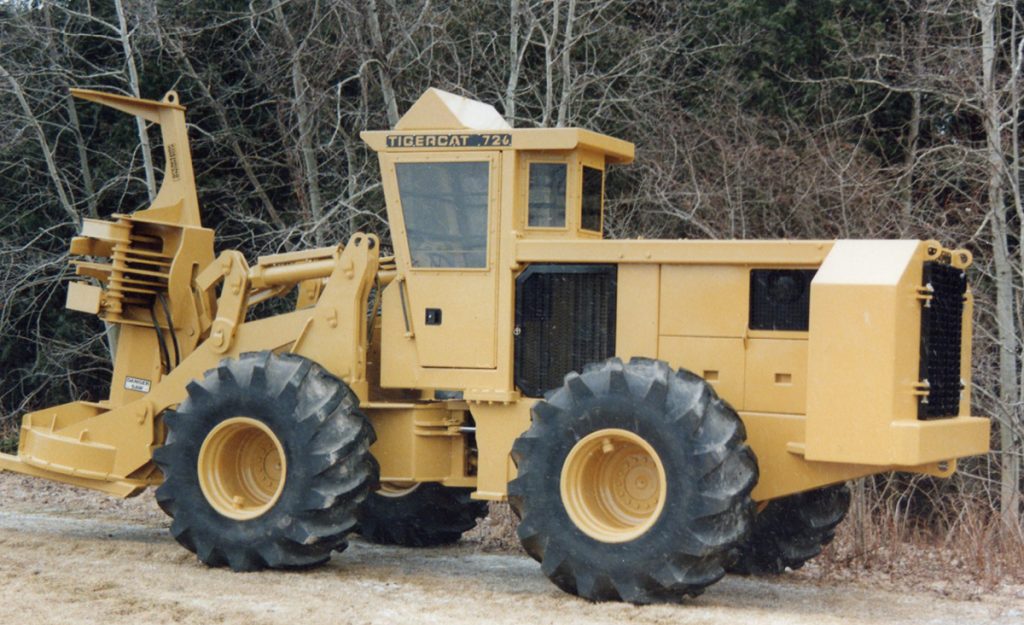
column 265, row 464
column 634, row 483
column 420, row 515
column 792, row 530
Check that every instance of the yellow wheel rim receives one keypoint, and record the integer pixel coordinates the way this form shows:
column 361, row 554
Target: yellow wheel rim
column 397, row 489
column 613, row 485
column 242, row 468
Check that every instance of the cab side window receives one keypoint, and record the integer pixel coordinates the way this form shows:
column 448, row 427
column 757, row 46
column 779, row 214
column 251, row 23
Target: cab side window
column 547, row 195
column 444, row 206
column 593, row 190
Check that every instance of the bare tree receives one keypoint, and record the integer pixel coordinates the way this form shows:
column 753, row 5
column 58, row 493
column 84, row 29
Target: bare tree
column 124, row 35
column 1008, row 296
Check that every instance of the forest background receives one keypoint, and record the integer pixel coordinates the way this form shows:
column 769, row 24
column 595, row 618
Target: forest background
column 752, row 119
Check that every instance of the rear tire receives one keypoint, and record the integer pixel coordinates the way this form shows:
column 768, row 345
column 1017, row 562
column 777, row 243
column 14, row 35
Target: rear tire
column 634, row 483
column 265, row 463
column 792, row 530
column 426, row 515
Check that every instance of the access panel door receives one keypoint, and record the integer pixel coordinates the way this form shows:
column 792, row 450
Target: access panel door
column 445, row 235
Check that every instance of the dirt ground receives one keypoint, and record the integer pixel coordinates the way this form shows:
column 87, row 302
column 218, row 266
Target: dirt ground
column 69, row 556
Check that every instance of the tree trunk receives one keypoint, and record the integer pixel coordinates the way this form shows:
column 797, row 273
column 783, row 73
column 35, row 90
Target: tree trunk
column 513, row 63
column 133, row 85
column 88, row 187
column 563, row 104
column 305, row 122
column 383, row 72
column 1005, row 308
column 44, row 146
column 550, row 40
column 914, row 129
column 236, row 148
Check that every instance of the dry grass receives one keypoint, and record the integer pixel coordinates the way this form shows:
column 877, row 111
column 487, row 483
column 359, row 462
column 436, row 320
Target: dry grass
column 9, row 429
column 964, row 556
column 496, row 532
column 966, row 552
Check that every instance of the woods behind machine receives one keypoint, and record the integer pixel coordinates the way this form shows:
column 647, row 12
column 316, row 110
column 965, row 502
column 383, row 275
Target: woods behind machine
column 656, row 412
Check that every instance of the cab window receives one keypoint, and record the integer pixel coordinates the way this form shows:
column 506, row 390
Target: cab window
column 547, row 195
column 593, row 188
column 444, row 206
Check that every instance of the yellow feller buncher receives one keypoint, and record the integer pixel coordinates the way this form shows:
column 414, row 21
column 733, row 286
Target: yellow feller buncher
column 656, row 412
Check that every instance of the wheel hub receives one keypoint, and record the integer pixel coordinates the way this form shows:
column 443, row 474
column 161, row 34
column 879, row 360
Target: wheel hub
column 613, row 485
column 241, row 468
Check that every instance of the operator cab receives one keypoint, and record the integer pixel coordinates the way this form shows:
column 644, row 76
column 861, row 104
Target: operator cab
column 462, row 186
column 564, row 195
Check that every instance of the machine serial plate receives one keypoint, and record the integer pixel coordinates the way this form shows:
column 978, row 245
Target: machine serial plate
column 487, row 140
column 136, row 384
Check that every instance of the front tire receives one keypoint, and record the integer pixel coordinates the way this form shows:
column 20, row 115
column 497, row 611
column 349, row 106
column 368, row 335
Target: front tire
column 634, row 483
column 265, row 463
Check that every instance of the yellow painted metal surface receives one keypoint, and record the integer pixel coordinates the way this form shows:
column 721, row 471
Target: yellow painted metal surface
column 865, row 315
column 704, row 300
column 497, row 427
column 820, row 406
column 438, row 110
column 776, row 439
column 242, row 468
column 638, row 292
column 464, row 337
column 775, row 376
column 421, row 442
column 678, row 252
column 719, row 360
column 922, row 442
column 118, row 488
column 613, row 485
column 177, row 202
column 966, row 336
column 85, row 298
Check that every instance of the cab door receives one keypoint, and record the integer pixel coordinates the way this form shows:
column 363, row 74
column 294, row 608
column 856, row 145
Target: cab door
column 445, row 236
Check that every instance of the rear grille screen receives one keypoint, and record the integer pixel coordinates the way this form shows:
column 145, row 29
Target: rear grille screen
column 941, row 325
column 780, row 299
column 565, row 319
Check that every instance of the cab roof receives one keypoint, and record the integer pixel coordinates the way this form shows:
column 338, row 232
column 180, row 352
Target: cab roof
column 443, row 121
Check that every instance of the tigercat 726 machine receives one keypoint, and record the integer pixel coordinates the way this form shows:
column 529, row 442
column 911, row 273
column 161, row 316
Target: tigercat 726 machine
column 656, row 412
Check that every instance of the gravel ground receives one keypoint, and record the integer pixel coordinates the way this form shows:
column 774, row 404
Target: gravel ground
column 70, row 556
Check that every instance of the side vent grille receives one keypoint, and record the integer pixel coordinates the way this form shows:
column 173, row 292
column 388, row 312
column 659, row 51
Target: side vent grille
column 565, row 319
column 941, row 326
column 780, row 299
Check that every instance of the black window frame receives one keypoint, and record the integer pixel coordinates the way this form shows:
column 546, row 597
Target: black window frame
column 583, row 199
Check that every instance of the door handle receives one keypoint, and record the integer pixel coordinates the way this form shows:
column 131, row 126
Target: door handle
column 403, row 296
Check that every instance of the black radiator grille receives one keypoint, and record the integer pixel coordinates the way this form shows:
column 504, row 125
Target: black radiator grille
column 941, row 324
column 565, row 319
column 780, row 299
